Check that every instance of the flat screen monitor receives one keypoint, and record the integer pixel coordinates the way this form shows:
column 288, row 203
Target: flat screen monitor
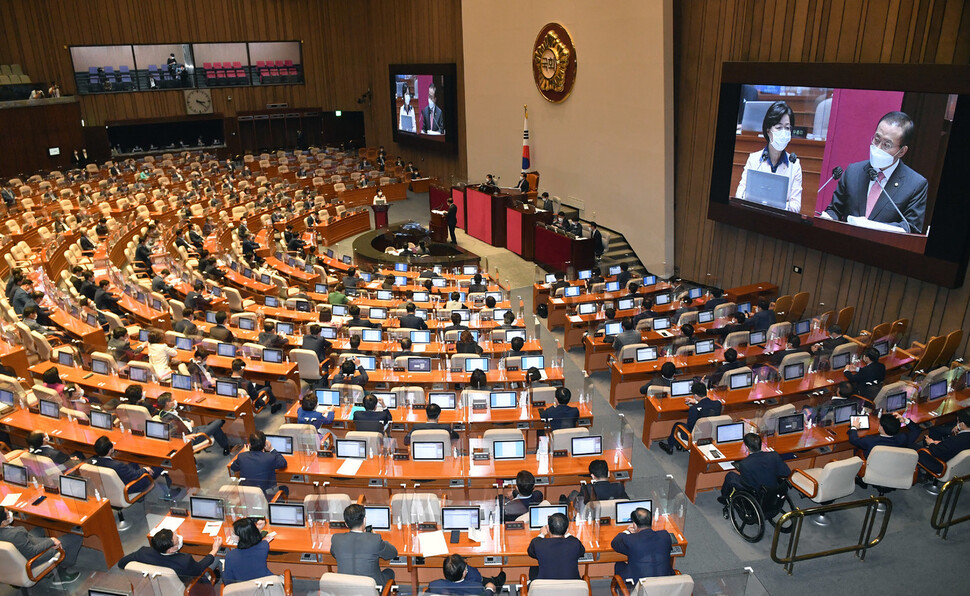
column 882, row 347
column 585, row 274
column 14, row 474
column 464, row 313
column 439, row 282
column 368, row 362
column 157, row 304
column 614, row 270
column 227, row 388
column 99, row 366
column 802, row 327
column 647, row 354
column 281, row 443
column 586, row 308
column 91, row 320
column 419, row 364
column 226, row 350
column 328, row 332
column 264, row 278
column 510, row 334
column 528, row 362
column 420, row 297
column 6, row 397
column 860, row 422
column 74, row 487
column 206, row 508
column 102, row 420
column 138, row 374
column 514, row 449
column 428, row 450
column 585, row 446
column 680, row 388
column 624, row 509
column 371, row 335
column 401, row 267
column 327, row 397
column 730, row 433
column 756, row 338
column 705, row 316
column 400, row 280
column 247, row 272
column 695, row 293
column 65, row 358
column 791, row 424
column 330, row 253
column 183, row 382
column 469, row 269
column 184, row 343
column 387, row 398
column 571, row 291
column 156, row 430
column 339, row 310
column 210, row 317
column 460, row 518
column 662, row 299
column 272, row 355
column 247, row 324
column 739, row 380
column 51, row 409
column 320, row 288
column 501, row 400
column 444, row 399
column 472, row 364
column 650, row 280
column 142, row 335
column 842, row 414
column 937, row 390
column 745, row 307
column 793, row 371
column 496, row 295
column 612, row 286
column 377, row 313
column 351, row 449
column 377, row 517
column 272, row 301
column 614, row 328
column 420, row 337
column 284, row 328
column 550, row 278
column 896, row 401
column 539, row 514
column 385, row 295
column 346, row 259
column 661, row 323
column 287, row 514
column 365, row 276
column 704, row 346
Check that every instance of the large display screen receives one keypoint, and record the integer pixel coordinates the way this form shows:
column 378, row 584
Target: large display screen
column 424, row 104
column 856, row 160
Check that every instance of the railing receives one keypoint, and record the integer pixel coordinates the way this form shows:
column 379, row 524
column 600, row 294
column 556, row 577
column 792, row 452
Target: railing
column 797, row 518
column 946, row 505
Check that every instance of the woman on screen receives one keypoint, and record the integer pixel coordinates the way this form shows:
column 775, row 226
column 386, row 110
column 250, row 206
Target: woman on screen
column 778, row 123
column 407, row 119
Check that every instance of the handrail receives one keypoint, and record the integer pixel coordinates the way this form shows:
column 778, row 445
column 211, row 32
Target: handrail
column 797, row 517
column 946, row 505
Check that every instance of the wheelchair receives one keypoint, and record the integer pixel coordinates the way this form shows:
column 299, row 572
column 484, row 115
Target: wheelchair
column 748, row 510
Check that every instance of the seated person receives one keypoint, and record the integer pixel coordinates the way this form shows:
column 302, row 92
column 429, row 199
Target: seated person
column 456, row 324
column 759, row 469
column 559, row 283
column 562, row 415
column 508, row 320
column 359, row 552
column 868, row 378
column 268, row 338
column 163, row 551
column 668, row 370
column 257, row 465
column 179, row 426
column 30, row 319
column 461, row 579
column 105, row 300
column 518, row 347
column 30, row 546
column 370, row 419
column 835, row 339
column 717, row 299
column 730, row 363
column 946, row 446
column 351, row 280
column 467, row 345
column 261, row 395
column 120, row 346
column 600, row 488
column 411, row 320
column 647, row 550
column 406, row 345
column 317, row 344
column 433, row 411
column 627, row 337
column 454, row 301
column 701, row 406
column 338, row 295
column 793, row 344
column 686, row 339
column 219, row 331
column 477, row 285
column 38, row 444
column 160, row 355
column 892, row 433
column 356, row 321
column 556, row 552
column 739, row 321
column 595, row 277
column 524, row 495
column 186, row 326
column 128, row 472
column 762, row 318
column 307, row 412
column 610, row 314
column 248, row 560
column 351, row 373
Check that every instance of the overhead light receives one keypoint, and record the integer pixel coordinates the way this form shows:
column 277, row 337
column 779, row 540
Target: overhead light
column 338, row 113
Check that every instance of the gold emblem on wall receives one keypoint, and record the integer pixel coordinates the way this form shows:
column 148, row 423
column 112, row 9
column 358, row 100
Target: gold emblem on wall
column 554, row 62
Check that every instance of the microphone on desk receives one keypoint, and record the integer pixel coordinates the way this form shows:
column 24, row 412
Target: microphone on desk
column 836, row 174
column 872, row 173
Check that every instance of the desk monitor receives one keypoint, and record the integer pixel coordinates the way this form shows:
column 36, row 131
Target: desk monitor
column 464, row 313
column 281, row 443
column 210, row 317
column 420, row 337
column 227, row 389
column 371, row 335
column 739, row 381
column 584, row 446
column 400, row 280
column 272, row 301
column 471, row 364
column 51, row 409
column 587, row 308
column 264, row 278
column 420, row 297
column 661, row 323
column 138, row 374
column 183, row 382
column 157, row 304
column 757, row 338
column 377, row 517
column 695, row 293
column 625, row 508
column 730, row 433
column 226, row 350
column 65, row 358
column 614, row 270
column 514, row 449
column 368, row 362
column 860, row 422
column 328, row 332
column 444, row 399
column 402, row 267
column 460, row 518
column 367, row 277
column 571, row 291
column 513, row 333
column 339, row 310
column 387, row 398
column 284, row 328
column 102, row 420
column 647, row 354
column 247, row 272
column 157, row 430
column 287, row 514
column 802, row 327
column 377, row 312
column 320, row 289
column 550, row 278
column 498, row 314
column 6, row 397
column 840, row 361
column 439, row 282
column 937, row 390
column 650, row 280
column 680, row 388
column 612, row 286
column 351, row 448
column 843, row 414
column 625, row 304
column 385, row 295
column 100, row 366
column 497, row 295
column 91, row 320
column 247, row 324
column 793, row 371
column 327, row 397
column 744, row 307
column 419, row 364
column 500, row 400
column 896, row 401
column 185, row 343
column 206, row 508
column 469, row 269
column 272, row 355
column 14, row 474
column 705, row 316
column 527, row 362
column 614, row 328
column 882, row 347
column 539, row 514
column 74, row 487
column 347, row 259
column 794, row 423
column 704, row 346
column 428, row 450
column 330, row 253
column 142, row 335
column 662, row 299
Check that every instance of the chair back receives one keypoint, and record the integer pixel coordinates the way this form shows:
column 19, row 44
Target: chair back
column 163, row 580
column 342, row 584
column 605, row 508
column 372, row 438
column 108, row 359
column 845, row 318
column 305, row 437
column 837, row 479
column 726, row 377
column 931, row 353
column 737, row 338
column 890, row 467
column 412, row 508
column 563, row 438
column 723, row 310
column 704, row 429
column 501, row 434
column 629, row 352
column 559, row 587
column 330, row 506
column 687, row 317
column 307, row 362
column 42, row 468
column 803, row 357
column 846, row 348
column 798, row 306
column 953, row 340
column 783, row 306
column 250, row 499
column 271, row 585
column 132, row 416
column 769, row 422
column 114, row 488
column 778, row 330
column 13, row 566
column 937, row 374
column 892, row 388
column 432, row 435
column 354, row 392
column 671, row 585
column 958, row 466
column 546, row 394
column 413, row 392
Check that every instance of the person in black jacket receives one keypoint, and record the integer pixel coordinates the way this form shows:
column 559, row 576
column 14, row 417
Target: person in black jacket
column 105, row 300
column 315, row 343
column 30, row 546
column 868, row 379
column 701, row 406
column 561, row 415
column 835, row 339
column 793, row 345
column 452, row 219
column 600, row 488
column 730, row 363
column 647, row 550
column 668, row 370
column 717, row 299
column 947, row 446
column 760, row 469
column 467, row 345
column 433, row 411
column 128, row 472
column 739, row 318
column 557, row 554
column 369, row 419
column 259, row 394
column 892, row 433
column 257, row 465
column 143, row 255
column 763, row 318
column 351, row 373
column 356, row 321
column 37, row 444
column 411, row 320
column 518, row 501
column 163, row 551
column 597, row 237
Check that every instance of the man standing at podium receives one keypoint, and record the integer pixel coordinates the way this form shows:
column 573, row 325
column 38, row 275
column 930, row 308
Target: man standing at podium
column 452, row 219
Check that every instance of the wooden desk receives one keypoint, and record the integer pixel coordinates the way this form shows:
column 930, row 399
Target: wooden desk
column 435, row 350
column 521, row 222
column 559, row 306
column 338, row 229
column 557, row 251
column 393, row 378
column 751, row 292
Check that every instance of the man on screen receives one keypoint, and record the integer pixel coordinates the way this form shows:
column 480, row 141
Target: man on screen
column 861, row 196
column 432, row 120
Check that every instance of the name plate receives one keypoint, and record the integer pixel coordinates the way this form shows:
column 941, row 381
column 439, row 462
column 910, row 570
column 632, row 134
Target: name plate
column 324, row 454
column 514, row 525
column 427, row 526
column 539, row 403
column 560, row 453
column 480, row 455
column 401, row 456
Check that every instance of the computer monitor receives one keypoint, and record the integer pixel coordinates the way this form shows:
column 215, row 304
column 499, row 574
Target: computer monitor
column 428, row 450
column 661, row 323
column 704, row 346
column 401, row 267
column 351, row 448
column 730, row 433
column 378, row 517
column 469, row 269
column 460, row 518
column 99, row 366
column 328, row 332
column 586, row 308
column 444, row 399
column 183, row 382
column 14, row 474
column 51, row 409
column 896, row 401
column 330, row 253
column 571, row 291
column 264, row 278
column 247, row 272
column 65, row 358
column 400, row 280
column 247, row 324
column 539, row 514
column 142, row 335
column 287, row 514
column 705, row 316
column 281, row 443
column 74, row 487
column 498, row 314
column 371, row 335
column 650, row 280
column 206, row 508
column 138, row 374
column 840, row 361
column 744, row 307
column 102, row 420
column 226, row 350
column 227, row 388
column 882, row 347
column 378, row 313
column 6, row 397
column 471, row 364
column 368, row 362
column 695, row 293
column 497, row 295
column 156, row 430
column 793, row 371
column 464, row 313
column 420, row 297
column 937, row 390
column 614, row 270
column 511, row 334
column 388, row 398
column 625, row 304
column 320, row 289
column 210, row 317
column 528, row 362
column 612, row 286
column 680, row 388
column 514, row 449
column 365, row 276
column 419, row 364
column 185, row 343
column 614, row 328
column 803, row 327
column 647, row 354
column 739, row 380
column 842, row 414
column 420, row 337
column 91, row 320
column 501, row 400
column 385, row 295
column 272, row 355
column 439, row 282
column 327, row 397
column 272, row 301
column 157, row 304
column 662, row 299
column 550, row 278
column 794, row 423
column 284, row 328
column 757, row 337
column 339, row 310
column 624, row 509
column 585, row 446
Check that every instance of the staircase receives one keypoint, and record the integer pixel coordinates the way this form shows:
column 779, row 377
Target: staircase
column 619, row 250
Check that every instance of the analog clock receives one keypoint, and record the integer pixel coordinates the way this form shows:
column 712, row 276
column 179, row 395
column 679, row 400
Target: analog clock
column 198, row 101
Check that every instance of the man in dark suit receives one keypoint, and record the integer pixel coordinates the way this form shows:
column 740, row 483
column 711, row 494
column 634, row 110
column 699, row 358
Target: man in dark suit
column 559, row 283
column 647, row 551
column 522, row 496
column 194, row 298
column 30, row 546
column 356, row 321
column 561, row 415
column 37, row 445
column 730, row 363
column 163, row 551
column 717, row 299
column 523, row 184
column 257, row 465
column 667, row 372
column 892, row 433
column 143, row 256
column 624, row 275
column 128, row 473
column 351, row 373
column 433, row 411
column 759, row 469
column 315, row 343
column 461, row 579
column 411, row 320
column 432, row 120
column 600, row 488
column 557, row 554
column 370, row 419
column 359, row 552
column 948, row 446
column 869, row 377
column 701, row 406
column 259, row 394
column 763, row 318
column 452, row 219
column 793, row 343
column 627, row 337
column 186, row 326
column 835, row 339
column 159, row 285
column 219, row 331
column 863, row 188
column 105, row 300
column 20, row 297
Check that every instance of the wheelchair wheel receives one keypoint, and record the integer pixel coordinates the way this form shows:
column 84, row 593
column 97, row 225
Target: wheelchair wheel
column 747, row 516
column 784, row 505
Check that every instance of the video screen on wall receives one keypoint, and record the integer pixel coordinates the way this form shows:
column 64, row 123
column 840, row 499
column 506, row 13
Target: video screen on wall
column 424, row 104
column 858, row 169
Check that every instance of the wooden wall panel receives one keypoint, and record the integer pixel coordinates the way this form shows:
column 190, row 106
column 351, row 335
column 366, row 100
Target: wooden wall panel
column 709, row 33
column 347, row 45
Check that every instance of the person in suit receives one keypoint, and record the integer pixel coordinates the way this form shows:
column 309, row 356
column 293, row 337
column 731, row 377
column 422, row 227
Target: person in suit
column 351, row 280
column 466, row 344
column 351, row 373
column 717, row 299
column 120, row 346
column 105, row 300
column 835, row 339
column 451, row 218
column 647, row 550
column 269, row 338
column 892, row 433
column 143, row 255
column 163, row 551
column 356, row 321
column 168, row 413
column 947, row 446
column 760, row 469
column 30, row 546
column 456, row 324
column 624, row 275
column 518, row 347
column 508, row 319
column 406, row 346
column 546, row 204
column 793, row 345
column 307, row 412
column 461, row 579
column 315, row 343
column 260, row 394
column 739, row 320
column 370, row 419
column 37, row 444
column 776, row 128
column 763, row 317
column 248, row 560
column 627, row 337
column 195, row 299
column 257, row 464
column 411, row 320
column 646, row 311
column 597, row 237
column 477, row 285
column 700, row 406
column 524, row 495
column 561, row 415
column 433, row 411
column 556, row 553
column 187, row 326
column 668, row 370
column 128, row 473
column 359, row 552
column 867, row 379
column 730, row 363
column 432, row 119
column 159, row 285
column 523, row 183
column 610, row 314
column 219, row 331
column 863, row 188
column 600, row 488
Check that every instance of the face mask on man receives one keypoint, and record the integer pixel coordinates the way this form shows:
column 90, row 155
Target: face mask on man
column 780, row 139
column 880, row 159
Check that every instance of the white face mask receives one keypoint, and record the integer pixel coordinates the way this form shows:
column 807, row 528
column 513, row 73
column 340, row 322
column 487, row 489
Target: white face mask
column 879, row 159
column 780, row 139
column 407, row 99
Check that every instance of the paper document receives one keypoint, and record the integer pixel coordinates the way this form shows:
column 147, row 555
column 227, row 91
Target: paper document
column 865, row 222
column 726, row 465
column 212, row 528
column 169, row 523
column 10, row 500
column 710, row 451
column 433, row 544
column 349, row 467
column 476, row 535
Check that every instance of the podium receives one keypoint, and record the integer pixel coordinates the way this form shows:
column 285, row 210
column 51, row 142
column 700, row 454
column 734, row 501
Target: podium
column 438, row 227
column 380, row 215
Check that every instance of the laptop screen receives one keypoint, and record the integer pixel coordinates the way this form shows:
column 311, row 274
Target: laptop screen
column 460, row 518
column 183, row 382
column 284, row 328
column 469, row 269
column 612, row 286
column 272, row 355
column 444, row 399
column 730, row 433
column 794, row 371
column 226, row 389
column 420, row 337
column 472, row 364
column 74, row 487
column 246, row 323
column 740, row 380
column 757, row 337
column 680, row 388
column 705, row 316
column 625, row 304
column 528, row 362
column 6, row 397
column 895, row 402
column 882, row 347
column 138, row 374
column 370, row 335
column 101, row 420
column 614, row 270
column 662, row 299
column 65, row 359
column 401, row 267
column 842, row 414
column 377, row 517
column 840, row 361
column 791, row 424
column 550, row 278
column 428, row 450
column 419, row 364
column 377, row 313
column 327, row 397
column 646, row 354
column 514, row 449
column 571, row 291
column 613, row 328
column 156, row 430
column 649, row 280
column 320, row 288
column 539, row 514
column 14, row 474
column 185, row 343
column 695, row 293
column 99, row 366
column 625, row 508
column 499, row 400
column 351, row 448
column 591, row 445
column 744, row 307
column 226, row 350
column 368, row 362
column 385, row 294
column 206, row 508
column 286, row 514
column 272, row 301
column 587, row 308
column 661, row 323
column 51, row 409
column 419, row 297
column 803, row 327
column 704, row 346
column 937, row 390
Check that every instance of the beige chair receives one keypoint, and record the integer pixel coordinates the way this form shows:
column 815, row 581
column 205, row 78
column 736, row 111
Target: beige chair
column 629, row 352
column 555, row 587
column 42, row 468
column 563, row 438
column 412, row 508
column 432, row 435
column 342, row 584
column 501, row 434
column 373, row 440
column 890, row 468
column 271, row 585
column 671, row 585
column 737, row 338
column 163, row 580
column 850, row 348
column 726, row 378
column 16, row 570
column 778, row 331
column 308, row 365
column 133, row 417
column 824, row 485
column 705, row 428
column 305, row 437
column 879, row 402
column 799, row 357
column 605, row 508
column 958, row 465
column 248, row 500
column 115, row 491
